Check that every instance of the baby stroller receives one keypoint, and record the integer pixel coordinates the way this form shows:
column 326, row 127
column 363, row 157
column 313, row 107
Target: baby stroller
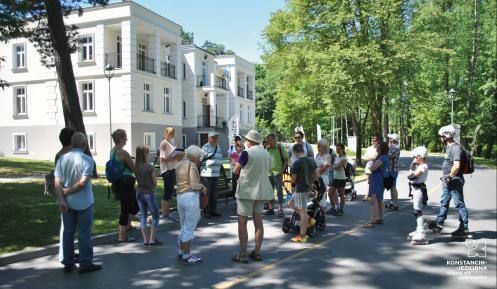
column 314, row 210
column 350, row 192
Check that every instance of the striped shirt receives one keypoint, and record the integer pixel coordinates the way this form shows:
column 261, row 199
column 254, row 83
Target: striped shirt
column 393, row 158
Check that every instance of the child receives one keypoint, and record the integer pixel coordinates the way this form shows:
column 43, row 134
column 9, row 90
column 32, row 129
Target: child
column 304, row 172
column 145, row 195
column 417, row 177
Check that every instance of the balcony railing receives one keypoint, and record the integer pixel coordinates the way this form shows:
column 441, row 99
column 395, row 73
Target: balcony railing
column 205, row 121
column 250, row 94
column 114, row 59
column 203, row 80
column 167, row 70
column 221, row 83
column 145, row 63
column 239, row 91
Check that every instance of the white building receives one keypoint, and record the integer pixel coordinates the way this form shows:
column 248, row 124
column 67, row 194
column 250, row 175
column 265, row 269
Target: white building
column 216, row 89
column 146, row 89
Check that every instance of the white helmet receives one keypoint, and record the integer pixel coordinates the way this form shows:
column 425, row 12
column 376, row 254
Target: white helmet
column 447, row 131
column 394, row 137
column 420, row 151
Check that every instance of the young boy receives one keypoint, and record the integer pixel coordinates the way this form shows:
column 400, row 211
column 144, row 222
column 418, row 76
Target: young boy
column 304, row 172
column 417, row 177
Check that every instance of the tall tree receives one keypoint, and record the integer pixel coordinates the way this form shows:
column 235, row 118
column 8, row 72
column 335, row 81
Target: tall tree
column 186, row 37
column 217, row 49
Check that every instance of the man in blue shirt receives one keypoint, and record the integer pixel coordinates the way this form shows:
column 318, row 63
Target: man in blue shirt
column 74, row 193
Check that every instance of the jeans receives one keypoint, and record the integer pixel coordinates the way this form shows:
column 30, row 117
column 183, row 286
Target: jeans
column 453, row 190
column 189, row 213
column 277, row 181
column 83, row 221
column 211, row 184
column 147, row 202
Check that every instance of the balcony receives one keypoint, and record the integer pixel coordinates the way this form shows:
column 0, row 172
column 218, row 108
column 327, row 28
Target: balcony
column 239, row 91
column 205, row 121
column 203, row 80
column 145, row 63
column 167, row 70
column 250, row 94
column 114, row 59
column 221, row 83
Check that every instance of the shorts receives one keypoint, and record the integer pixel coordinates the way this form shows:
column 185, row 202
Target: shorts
column 169, row 178
column 339, row 183
column 300, row 199
column 249, row 208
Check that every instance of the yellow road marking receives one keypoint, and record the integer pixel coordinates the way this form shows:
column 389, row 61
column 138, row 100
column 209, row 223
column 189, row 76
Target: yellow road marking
column 270, row 266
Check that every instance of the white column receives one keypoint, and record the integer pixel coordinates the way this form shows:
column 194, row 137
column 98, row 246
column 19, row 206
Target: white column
column 213, row 102
column 128, row 45
column 100, row 47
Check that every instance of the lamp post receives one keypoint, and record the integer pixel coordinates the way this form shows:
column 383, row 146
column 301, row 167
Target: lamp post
column 452, row 93
column 109, row 73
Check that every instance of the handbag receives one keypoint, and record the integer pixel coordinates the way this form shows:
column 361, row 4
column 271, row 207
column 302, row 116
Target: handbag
column 203, row 198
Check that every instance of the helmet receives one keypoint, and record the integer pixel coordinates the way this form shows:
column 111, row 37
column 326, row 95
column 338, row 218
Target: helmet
column 447, row 131
column 420, row 151
column 394, row 137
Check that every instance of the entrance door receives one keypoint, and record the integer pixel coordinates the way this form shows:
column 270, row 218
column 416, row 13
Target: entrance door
column 207, row 116
column 203, row 139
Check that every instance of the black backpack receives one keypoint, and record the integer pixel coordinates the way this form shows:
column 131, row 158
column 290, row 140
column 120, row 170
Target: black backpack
column 467, row 162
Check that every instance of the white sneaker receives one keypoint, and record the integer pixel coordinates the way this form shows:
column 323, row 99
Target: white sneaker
column 192, row 260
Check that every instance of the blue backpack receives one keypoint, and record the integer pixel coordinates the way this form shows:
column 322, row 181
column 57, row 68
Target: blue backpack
column 113, row 172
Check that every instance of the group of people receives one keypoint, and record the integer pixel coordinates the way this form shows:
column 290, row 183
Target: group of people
column 257, row 167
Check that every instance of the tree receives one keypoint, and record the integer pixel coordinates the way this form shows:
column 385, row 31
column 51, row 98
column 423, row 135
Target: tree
column 42, row 23
column 216, row 49
column 186, row 37
column 3, row 83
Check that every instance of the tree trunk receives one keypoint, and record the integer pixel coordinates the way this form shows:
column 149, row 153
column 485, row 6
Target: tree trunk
column 489, row 148
column 386, row 122
column 356, row 126
column 472, row 62
column 65, row 75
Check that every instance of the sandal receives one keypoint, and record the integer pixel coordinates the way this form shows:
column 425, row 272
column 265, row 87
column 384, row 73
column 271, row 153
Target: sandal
column 368, row 225
column 238, row 257
column 280, row 213
column 127, row 240
column 255, row 256
column 379, row 221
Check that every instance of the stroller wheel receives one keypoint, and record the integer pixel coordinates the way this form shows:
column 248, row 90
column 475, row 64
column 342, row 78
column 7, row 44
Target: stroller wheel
column 348, row 197
column 286, row 225
column 311, row 231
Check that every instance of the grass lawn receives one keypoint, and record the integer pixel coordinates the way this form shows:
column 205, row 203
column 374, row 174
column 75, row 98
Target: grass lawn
column 14, row 167
column 31, row 219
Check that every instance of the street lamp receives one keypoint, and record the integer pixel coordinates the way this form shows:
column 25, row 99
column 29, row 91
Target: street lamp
column 109, row 73
column 452, row 93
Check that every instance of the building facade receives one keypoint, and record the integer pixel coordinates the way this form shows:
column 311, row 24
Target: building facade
column 146, row 89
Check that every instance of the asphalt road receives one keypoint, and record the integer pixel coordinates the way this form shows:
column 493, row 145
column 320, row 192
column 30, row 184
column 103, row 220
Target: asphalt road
column 345, row 255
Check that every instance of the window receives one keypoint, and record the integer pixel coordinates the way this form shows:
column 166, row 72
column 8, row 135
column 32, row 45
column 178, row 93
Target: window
column 20, row 144
column 91, row 142
column 86, row 46
column 184, row 141
column 184, row 109
column 87, row 97
column 241, row 112
column 149, row 139
column 184, row 70
column 20, row 56
column 248, row 114
column 20, row 100
column 147, row 97
column 167, row 100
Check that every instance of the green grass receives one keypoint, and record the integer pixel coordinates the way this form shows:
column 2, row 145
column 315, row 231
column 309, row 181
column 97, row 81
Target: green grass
column 492, row 164
column 31, row 219
column 13, row 167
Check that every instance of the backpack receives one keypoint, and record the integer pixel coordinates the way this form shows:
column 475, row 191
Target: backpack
column 113, row 172
column 349, row 170
column 467, row 162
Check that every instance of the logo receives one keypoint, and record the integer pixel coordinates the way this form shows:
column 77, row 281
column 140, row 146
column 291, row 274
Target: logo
column 476, row 249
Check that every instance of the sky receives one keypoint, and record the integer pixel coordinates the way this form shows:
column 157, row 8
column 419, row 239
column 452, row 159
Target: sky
column 237, row 24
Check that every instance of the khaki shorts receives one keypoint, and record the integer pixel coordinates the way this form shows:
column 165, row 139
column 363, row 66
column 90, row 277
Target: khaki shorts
column 249, row 208
column 300, row 199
